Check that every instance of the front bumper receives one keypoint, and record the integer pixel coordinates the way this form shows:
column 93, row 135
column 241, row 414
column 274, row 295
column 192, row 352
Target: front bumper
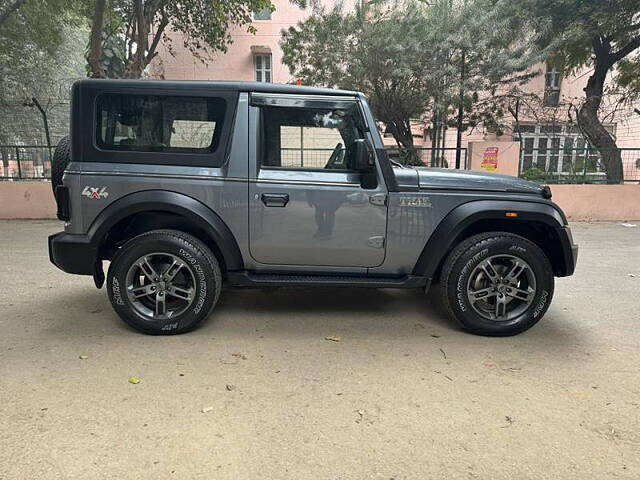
column 569, row 251
column 72, row 253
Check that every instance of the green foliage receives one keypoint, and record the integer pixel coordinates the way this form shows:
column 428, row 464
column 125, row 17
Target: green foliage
column 406, row 56
column 534, row 174
column 41, row 45
column 566, row 29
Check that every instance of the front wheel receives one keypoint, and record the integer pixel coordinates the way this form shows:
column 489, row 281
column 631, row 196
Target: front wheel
column 164, row 282
column 497, row 284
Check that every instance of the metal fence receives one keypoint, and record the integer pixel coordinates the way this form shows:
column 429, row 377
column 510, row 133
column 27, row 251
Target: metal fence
column 574, row 165
column 25, row 162
column 546, row 165
column 319, row 157
column 307, row 157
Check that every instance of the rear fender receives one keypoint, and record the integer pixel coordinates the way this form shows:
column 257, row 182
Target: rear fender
column 195, row 212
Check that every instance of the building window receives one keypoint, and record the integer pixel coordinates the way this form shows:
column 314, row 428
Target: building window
column 264, row 14
column 263, row 67
column 553, row 77
column 557, row 149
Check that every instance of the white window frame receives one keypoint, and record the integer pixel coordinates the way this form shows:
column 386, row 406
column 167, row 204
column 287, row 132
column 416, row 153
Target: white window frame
column 552, row 81
column 549, row 146
column 261, row 72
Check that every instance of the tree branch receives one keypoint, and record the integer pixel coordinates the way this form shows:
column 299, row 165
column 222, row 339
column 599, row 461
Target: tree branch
column 156, row 38
column 626, row 50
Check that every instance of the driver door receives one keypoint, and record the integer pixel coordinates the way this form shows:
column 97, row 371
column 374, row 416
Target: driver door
column 307, row 205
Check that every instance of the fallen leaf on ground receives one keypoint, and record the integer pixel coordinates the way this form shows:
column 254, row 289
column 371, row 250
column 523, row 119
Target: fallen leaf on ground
column 206, row 409
column 333, row 339
column 230, row 387
column 83, row 357
column 509, row 421
column 134, row 380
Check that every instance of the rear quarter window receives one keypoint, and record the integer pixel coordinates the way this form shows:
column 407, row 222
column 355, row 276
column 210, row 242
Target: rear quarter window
column 156, row 123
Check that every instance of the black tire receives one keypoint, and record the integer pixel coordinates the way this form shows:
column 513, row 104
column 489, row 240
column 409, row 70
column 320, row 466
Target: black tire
column 199, row 271
column 61, row 158
column 469, row 257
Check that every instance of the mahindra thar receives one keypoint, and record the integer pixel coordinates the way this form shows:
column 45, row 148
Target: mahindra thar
column 183, row 186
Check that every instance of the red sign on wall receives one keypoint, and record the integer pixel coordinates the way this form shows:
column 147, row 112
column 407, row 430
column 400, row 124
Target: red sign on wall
column 490, row 159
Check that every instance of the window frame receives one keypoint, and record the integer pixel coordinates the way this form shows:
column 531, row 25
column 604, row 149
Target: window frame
column 263, row 71
column 551, row 90
column 211, row 148
column 263, row 102
column 84, row 124
column 559, row 134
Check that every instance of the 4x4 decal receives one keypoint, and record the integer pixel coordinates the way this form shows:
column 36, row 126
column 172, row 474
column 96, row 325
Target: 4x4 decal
column 95, row 192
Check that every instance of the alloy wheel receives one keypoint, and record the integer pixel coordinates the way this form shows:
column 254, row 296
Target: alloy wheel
column 501, row 287
column 160, row 286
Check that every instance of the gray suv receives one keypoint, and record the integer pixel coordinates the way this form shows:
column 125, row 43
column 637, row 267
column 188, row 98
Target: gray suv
column 184, row 186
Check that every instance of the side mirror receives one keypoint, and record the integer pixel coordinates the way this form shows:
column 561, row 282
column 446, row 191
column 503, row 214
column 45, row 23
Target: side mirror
column 363, row 159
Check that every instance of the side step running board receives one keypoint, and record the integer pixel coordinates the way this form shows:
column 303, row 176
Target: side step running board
column 247, row 279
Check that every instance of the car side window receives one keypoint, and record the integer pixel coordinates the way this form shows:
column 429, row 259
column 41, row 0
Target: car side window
column 309, row 138
column 154, row 123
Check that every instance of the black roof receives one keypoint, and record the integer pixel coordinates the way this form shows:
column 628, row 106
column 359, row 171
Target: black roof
column 219, row 85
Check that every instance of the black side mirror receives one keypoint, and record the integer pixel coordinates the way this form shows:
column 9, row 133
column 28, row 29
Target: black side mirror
column 363, row 159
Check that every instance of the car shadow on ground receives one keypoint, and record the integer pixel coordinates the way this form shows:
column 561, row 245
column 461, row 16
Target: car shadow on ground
column 283, row 311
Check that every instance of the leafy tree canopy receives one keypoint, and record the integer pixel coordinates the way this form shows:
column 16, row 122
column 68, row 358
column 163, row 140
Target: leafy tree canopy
column 41, row 54
column 407, row 56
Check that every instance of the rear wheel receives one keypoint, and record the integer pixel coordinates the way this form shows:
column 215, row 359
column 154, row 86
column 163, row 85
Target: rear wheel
column 164, row 282
column 497, row 284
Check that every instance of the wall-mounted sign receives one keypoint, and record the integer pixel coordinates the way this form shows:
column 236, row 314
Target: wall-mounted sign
column 490, row 159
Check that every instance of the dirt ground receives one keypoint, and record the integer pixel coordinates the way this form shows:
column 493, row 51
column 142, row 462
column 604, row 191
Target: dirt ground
column 259, row 392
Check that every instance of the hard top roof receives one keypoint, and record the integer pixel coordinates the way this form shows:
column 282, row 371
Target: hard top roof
column 218, row 85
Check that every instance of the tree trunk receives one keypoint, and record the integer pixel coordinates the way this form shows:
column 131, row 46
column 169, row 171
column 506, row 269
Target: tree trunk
column 591, row 125
column 4, row 153
column 95, row 42
column 137, row 63
column 401, row 131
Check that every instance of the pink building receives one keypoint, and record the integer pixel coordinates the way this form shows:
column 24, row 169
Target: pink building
column 251, row 57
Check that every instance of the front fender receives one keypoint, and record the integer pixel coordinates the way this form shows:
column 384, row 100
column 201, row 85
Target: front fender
column 444, row 237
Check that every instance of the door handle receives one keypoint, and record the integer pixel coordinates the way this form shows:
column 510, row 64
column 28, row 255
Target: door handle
column 275, row 199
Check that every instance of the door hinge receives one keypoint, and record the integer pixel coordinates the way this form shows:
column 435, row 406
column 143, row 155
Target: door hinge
column 376, row 242
column 379, row 199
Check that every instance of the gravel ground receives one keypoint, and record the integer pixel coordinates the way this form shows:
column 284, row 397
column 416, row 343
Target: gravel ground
column 258, row 392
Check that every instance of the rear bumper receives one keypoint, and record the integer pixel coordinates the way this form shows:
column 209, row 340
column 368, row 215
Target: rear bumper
column 72, row 253
column 569, row 251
